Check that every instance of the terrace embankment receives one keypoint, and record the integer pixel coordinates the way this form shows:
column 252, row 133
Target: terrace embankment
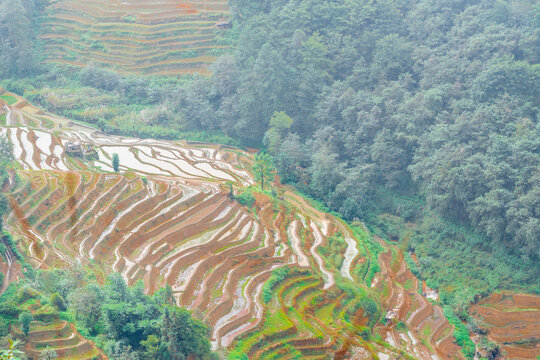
column 216, row 255
column 513, row 322
column 61, row 337
column 170, row 38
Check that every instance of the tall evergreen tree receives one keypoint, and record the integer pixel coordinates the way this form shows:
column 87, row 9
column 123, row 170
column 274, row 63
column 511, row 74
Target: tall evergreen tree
column 264, row 168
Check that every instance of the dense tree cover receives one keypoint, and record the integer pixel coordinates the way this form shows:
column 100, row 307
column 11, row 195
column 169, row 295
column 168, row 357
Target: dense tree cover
column 432, row 98
column 122, row 320
column 17, row 36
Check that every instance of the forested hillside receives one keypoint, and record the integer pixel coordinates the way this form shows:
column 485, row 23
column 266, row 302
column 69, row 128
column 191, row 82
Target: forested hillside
column 18, row 53
column 418, row 117
column 427, row 97
column 432, row 100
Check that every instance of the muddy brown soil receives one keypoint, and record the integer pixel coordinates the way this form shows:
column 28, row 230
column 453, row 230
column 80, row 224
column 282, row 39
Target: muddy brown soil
column 423, row 319
column 512, row 320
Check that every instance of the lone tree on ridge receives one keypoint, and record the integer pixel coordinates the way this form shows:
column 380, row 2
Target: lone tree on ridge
column 115, row 162
column 264, row 168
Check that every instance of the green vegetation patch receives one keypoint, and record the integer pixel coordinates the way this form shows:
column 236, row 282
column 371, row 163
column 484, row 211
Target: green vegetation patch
column 31, row 122
column 107, row 314
column 333, row 251
column 10, row 100
column 278, row 275
column 49, row 124
column 246, row 198
column 461, row 333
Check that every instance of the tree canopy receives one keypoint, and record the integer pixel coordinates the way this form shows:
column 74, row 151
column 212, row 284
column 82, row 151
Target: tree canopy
column 432, row 99
column 264, row 169
column 17, row 34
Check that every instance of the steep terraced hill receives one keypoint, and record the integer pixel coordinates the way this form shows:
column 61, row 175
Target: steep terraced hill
column 61, row 337
column 425, row 324
column 168, row 217
column 277, row 280
column 136, row 36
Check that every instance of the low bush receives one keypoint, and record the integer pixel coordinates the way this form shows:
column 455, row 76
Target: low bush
column 25, row 318
column 246, row 198
column 27, row 293
column 370, row 308
column 46, row 313
column 412, row 265
column 237, row 355
column 9, row 309
column 333, row 251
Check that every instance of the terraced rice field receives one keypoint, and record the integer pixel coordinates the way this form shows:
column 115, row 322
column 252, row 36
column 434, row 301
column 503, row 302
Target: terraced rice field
column 62, row 338
column 168, row 218
column 426, row 327
column 167, row 37
column 512, row 321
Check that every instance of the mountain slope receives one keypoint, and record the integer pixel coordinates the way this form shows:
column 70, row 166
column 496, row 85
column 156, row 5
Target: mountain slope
column 279, row 279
